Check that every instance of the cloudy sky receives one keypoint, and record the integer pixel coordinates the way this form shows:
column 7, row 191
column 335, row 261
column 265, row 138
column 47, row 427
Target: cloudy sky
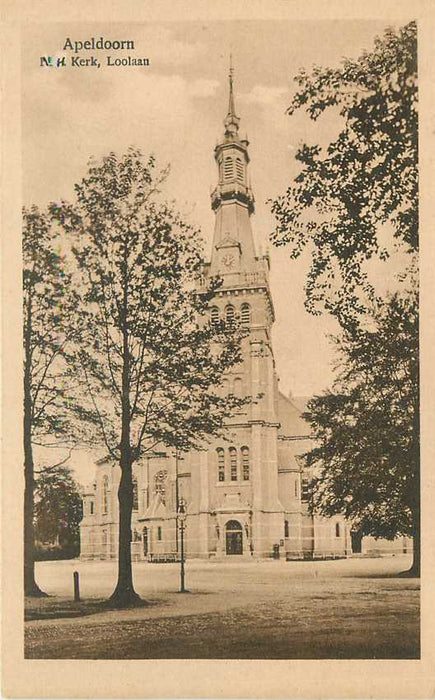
column 175, row 108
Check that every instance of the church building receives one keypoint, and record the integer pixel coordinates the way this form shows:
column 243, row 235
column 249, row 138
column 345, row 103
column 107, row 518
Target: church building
column 246, row 496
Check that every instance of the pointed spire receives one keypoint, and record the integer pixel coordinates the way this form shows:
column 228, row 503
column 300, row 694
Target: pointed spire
column 231, row 121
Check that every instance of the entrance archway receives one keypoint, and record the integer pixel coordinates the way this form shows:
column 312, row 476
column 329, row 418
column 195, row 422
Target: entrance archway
column 234, row 537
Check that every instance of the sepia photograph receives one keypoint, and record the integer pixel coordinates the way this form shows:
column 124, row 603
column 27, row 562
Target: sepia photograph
column 216, row 407
column 220, row 332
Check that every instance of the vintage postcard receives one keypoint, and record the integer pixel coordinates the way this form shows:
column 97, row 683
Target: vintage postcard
column 217, row 343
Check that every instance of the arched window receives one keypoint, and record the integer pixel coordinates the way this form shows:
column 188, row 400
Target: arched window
column 237, row 387
column 286, row 529
column 228, row 168
column 105, row 495
column 91, row 507
column 230, row 314
column 220, row 464
column 245, row 463
column 233, row 526
column 233, row 463
column 296, row 487
column 135, row 496
column 159, row 533
column 214, row 314
column 337, row 530
column 239, row 169
column 245, row 315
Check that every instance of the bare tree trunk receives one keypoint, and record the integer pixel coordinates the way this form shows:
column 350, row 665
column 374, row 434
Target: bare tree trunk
column 415, row 498
column 31, row 588
column 124, row 594
column 416, row 494
column 415, row 569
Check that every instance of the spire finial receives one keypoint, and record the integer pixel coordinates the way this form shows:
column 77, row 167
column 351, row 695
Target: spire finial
column 231, row 121
column 231, row 108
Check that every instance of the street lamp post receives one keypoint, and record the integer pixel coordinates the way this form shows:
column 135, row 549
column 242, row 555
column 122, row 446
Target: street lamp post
column 182, row 514
column 178, row 459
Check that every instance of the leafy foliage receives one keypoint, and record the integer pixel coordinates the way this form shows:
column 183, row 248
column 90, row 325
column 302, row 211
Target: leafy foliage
column 48, row 302
column 58, row 509
column 364, row 180
column 147, row 350
column 366, row 460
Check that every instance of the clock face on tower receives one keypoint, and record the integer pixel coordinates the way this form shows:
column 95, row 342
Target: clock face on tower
column 229, row 260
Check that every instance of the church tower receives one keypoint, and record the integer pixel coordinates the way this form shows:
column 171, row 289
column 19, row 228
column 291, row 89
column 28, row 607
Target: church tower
column 232, row 200
column 245, row 495
column 243, row 474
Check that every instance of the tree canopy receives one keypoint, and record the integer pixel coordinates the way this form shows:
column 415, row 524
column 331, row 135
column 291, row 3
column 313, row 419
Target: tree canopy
column 58, row 509
column 47, row 313
column 364, row 182
column 145, row 333
column 365, row 461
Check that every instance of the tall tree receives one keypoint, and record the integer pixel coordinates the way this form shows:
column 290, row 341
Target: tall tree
column 365, row 461
column 58, row 508
column 353, row 200
column 150, row 360
column 46, row 311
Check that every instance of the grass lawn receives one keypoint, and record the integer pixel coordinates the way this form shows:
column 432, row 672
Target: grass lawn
column 349, row 609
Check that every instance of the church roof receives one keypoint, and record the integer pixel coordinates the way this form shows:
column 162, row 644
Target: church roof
column 290, row 417
column 156, row 509
column 300, row 402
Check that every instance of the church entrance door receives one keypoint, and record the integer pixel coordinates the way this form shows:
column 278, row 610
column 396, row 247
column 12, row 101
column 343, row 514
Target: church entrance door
column 234, row 538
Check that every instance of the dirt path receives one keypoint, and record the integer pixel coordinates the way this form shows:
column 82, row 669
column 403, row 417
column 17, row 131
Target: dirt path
column 343, row 610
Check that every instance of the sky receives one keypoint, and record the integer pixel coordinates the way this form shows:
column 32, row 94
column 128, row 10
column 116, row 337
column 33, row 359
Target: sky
column 175, row 108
